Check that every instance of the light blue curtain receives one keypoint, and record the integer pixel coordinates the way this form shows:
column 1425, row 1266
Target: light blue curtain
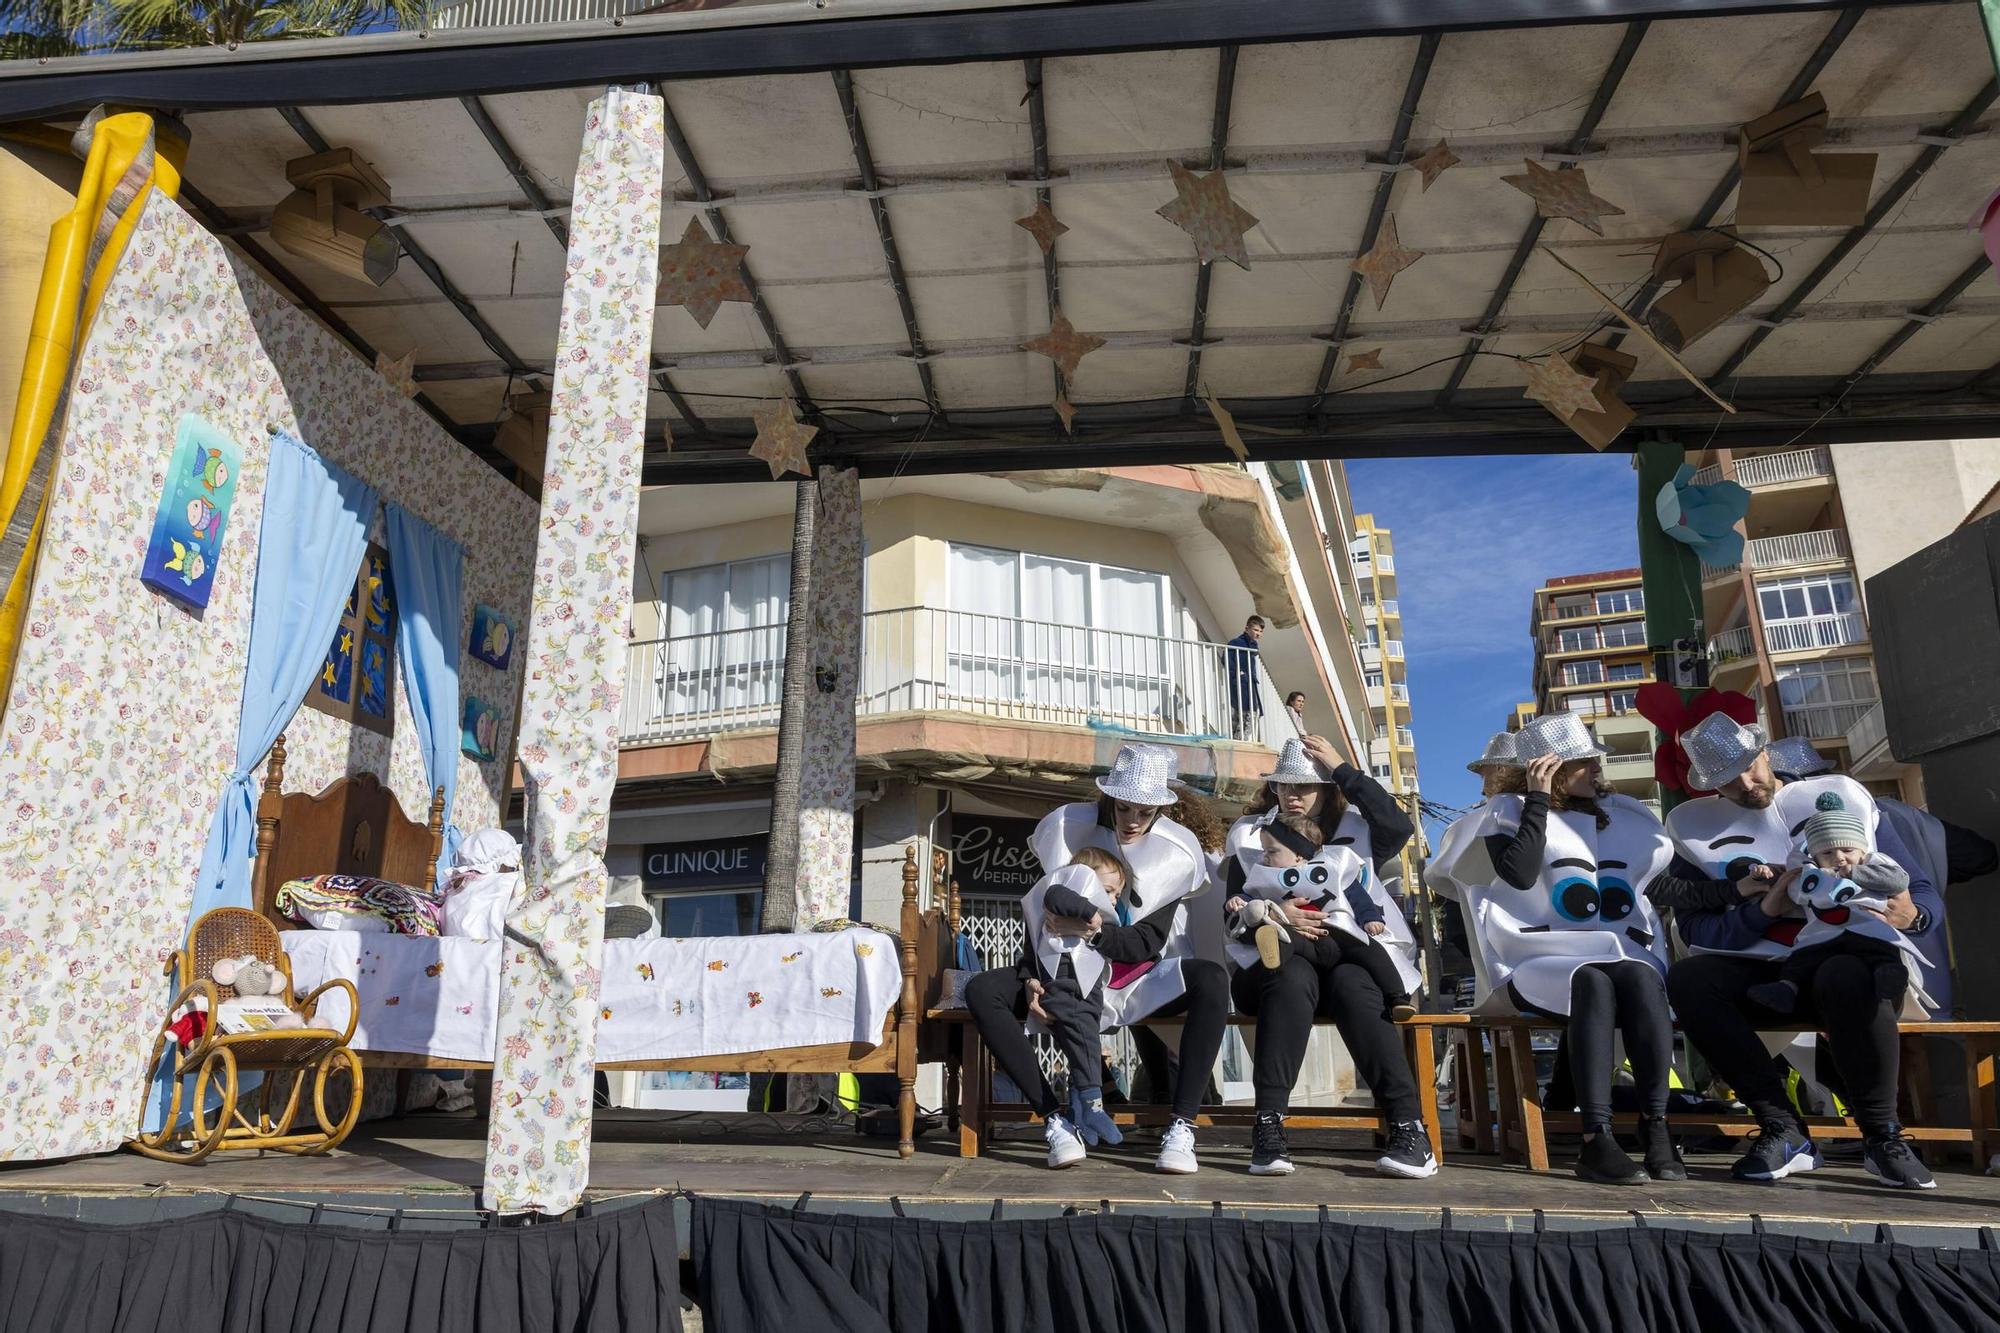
column 429, row 570
column 309, row 548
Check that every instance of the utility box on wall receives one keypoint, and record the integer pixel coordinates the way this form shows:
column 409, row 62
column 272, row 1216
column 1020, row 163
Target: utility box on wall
column 1936, row 625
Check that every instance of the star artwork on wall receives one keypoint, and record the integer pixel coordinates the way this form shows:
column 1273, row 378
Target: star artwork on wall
column 1435, row 163
column 1385, row 260
column 1564, row 194
column 1044, row 226
column 781, row 440
column 700, row 274
column 1202, row 208
column 1368, row 360
column 1063, row 345
column 401, row 373
column 1558, row 386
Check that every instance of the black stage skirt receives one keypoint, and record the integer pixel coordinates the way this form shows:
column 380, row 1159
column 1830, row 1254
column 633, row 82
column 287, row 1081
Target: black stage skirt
column 772, row 1270
column 231, row 1272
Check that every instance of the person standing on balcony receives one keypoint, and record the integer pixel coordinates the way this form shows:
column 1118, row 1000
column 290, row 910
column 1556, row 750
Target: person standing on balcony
column 1295, row 709
column 1743, row 921
column 1152, row 971
column 1353, row 811
column 1246, row 702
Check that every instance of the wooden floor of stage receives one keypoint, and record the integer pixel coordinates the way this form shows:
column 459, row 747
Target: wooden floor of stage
column 432, row 1163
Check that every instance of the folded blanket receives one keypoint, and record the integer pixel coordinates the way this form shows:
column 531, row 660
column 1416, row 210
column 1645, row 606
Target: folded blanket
column 357, row 902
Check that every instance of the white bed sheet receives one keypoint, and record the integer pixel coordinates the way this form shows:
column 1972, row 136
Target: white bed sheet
column 662, row 999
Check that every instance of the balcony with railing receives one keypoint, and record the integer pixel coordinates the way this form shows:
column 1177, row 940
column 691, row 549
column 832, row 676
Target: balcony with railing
column 924, row 659
column 1393, row 648
column 1406, row 738
column 1392, row 609
column 1805, row 635
column 1795, row 548
column 1731, row 645
column 1385, row 563
column 1773, row 469
column 1825, row 722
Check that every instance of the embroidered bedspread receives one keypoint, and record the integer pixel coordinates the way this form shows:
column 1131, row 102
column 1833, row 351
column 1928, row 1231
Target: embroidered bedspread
column 662, row 999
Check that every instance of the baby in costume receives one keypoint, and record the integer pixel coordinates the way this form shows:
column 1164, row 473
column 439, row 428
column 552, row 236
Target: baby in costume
column 1066, row 976
column 1840, row 877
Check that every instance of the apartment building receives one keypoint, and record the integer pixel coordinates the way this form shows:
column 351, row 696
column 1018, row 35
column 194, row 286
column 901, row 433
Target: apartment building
column 1789, row 623
column 1591, row 658
column 1378, row 631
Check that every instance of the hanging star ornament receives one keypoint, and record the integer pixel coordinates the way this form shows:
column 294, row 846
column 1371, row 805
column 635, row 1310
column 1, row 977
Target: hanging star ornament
column 1203, row 209
column 1044, row 226
column 1063, row 345
column 1556, row 385
column 1368, row 360
column 1564, row 194
column 781, row 440
column 1225, row 421
column 1066, row 410
column 1435, row 163
column 1385, row 260
column 400, row 373
column 698, row 273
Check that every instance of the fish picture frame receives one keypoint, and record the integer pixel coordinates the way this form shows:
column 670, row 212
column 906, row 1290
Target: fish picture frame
column 195, row 504
column 479, row 730
column 492, row 639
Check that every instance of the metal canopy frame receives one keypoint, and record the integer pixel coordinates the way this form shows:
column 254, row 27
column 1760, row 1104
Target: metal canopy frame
column 1862, row 402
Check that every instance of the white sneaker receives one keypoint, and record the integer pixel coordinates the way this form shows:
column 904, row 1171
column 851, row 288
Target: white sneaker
column 1065, row 1144
column 1177, row 1151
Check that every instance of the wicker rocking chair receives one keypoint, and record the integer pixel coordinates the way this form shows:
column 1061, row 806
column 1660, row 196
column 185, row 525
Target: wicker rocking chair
column 286, row 1057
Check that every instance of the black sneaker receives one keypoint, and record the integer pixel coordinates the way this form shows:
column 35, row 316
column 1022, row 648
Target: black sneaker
column 1270, row 1155
column 1663, row 1159
column 1602, row 1162
column 1409, row 1153
column 1780, row 1151
column 1888, row 1158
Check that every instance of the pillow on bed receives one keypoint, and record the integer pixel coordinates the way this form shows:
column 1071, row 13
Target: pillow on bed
column 357, row 902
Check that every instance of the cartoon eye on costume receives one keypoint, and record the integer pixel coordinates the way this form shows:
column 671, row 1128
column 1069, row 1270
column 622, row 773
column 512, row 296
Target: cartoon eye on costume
column 1317, row 875
column 1615, row 899
column 1575, row 899
column 1290, row 877
column 1737, row 869
column 1845, row 890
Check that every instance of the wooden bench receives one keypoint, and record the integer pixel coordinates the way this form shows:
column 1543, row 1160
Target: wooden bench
column 1524, row 1126
column 971, row 1074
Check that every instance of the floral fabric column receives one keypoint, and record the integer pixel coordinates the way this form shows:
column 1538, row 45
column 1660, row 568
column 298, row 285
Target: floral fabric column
column 538, row 1144
column 826, row 782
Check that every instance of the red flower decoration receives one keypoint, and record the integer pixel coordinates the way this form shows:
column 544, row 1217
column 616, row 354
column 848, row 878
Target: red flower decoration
column 1661, row 704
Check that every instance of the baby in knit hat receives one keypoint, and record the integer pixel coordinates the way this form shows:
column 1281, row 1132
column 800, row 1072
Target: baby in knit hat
column 1841, row 876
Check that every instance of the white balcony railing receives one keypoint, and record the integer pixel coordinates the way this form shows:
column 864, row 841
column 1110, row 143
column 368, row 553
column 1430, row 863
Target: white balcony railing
column 1575, row 612
column 1825, row 722
column 1732, row 644
column 922, row 659
column 1868, row 733
column 1627, row 767
column 1798, row 636
column 1772, row 469
column 1406, row 738
column 1400, row 693
column 1385, row 564
column 1393, row 647
column 1391, row 608
column 1797, row 548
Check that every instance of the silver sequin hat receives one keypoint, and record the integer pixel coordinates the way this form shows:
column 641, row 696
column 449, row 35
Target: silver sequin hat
column 1796, row 757
column 1563, row 735
column 1297, row 767
column 1499, row 753
column 1718, row 750
column 1142, row 775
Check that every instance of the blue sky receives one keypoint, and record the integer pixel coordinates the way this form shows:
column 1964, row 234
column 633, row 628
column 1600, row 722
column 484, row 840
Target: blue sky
column 1474, row 538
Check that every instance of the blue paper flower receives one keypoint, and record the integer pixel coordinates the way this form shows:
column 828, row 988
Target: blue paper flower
column 1705, row 517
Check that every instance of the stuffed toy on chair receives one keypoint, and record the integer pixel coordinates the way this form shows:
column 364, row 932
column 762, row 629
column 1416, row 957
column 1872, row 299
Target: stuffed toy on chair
column 253, row 978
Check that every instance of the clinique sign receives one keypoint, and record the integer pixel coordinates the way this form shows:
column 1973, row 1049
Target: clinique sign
column 712, row 863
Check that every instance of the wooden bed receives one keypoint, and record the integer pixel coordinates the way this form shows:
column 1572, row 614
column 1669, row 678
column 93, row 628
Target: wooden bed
column 357, row 827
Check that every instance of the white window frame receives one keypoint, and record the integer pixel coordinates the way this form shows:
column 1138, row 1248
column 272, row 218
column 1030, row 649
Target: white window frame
column 1587, row 672
column 1563, row 645
column 1805, row 583
column 1623, row 600
column 1624, row 629
column 1634, row 671
column 740, row 669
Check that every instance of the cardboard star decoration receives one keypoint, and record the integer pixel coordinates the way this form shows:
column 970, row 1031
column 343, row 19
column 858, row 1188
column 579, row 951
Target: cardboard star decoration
column 1563, row 194
column 700, row 274
column 1556, row 385
column 781, row 440
column 1368, row 360
column 1203, row 209
column 1385, row 260
column 1435, row 163
column 1044, row 226
column 401, row 373
column 1066, row 410
column 1063, row 345
column 1225, row 420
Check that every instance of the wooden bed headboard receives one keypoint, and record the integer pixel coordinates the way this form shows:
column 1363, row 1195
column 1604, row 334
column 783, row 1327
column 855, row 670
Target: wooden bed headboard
column 354, row 827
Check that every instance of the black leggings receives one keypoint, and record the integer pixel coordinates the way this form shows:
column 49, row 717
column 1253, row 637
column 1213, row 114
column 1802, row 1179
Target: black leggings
column 998, row 1003
column 1286, row 1001
column 1628, row 999
column 1708, row 992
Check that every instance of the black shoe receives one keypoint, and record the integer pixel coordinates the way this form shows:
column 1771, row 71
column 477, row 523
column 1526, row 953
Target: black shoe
column 1780, row 997
column 1888, row 1158
column 1270, row 1155
column 1780, row 1151
column 1409, row 1153
column 1400, row 1009
column 1663, row 1159
column 1603, row 1162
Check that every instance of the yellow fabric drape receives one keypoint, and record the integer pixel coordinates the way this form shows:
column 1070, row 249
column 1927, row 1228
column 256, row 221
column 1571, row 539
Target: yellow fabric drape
column 123, row 165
